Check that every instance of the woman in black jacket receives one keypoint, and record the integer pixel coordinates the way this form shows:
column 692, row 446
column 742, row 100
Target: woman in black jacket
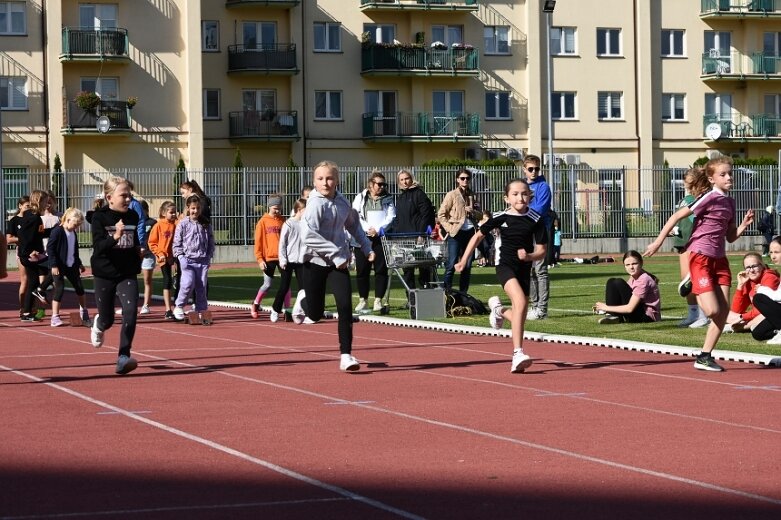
column 414, row 214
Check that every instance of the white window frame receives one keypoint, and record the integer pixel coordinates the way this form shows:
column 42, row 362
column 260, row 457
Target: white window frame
column 104, row 16
column 265, row 34
column 329, row 98
column 605, row 36
column 672, row 102
column 380, row 32
column 101, row 86
column 206, row 101
column 15, row 92
column 13, row 11
column 560, row 99
column 210, row 36
column 493, row 103
column 326, row 28
column 672, row 38
column 567, row 42
column 494, row 38
column 447, row 34
column 261, row 100
column 613, row 101
column 720, row 101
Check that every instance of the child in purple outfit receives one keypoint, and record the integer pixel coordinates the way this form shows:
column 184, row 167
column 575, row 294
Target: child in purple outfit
column 194, row 247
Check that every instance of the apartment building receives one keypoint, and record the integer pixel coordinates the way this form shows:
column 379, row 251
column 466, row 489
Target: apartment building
column 385, row 82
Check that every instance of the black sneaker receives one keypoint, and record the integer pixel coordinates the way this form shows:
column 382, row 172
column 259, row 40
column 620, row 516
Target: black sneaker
column 706, row 362
column 685, row 287
column 38, row 293
column 28, row 317
column 169, row 315
column 125, row 365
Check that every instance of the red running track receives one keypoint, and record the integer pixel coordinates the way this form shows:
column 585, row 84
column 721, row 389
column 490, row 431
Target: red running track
column 250, row 419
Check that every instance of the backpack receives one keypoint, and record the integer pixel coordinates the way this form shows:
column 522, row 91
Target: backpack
column 459, row 303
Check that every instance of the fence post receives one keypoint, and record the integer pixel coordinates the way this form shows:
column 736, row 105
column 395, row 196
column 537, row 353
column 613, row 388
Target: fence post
column 244, row 204
column 573, row 192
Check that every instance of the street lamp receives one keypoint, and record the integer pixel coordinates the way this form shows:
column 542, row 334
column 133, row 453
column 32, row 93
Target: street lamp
column 547, row 7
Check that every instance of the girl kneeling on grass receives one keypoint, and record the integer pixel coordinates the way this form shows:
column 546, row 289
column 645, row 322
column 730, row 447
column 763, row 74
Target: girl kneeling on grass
column 524, row 240
column 635, row 301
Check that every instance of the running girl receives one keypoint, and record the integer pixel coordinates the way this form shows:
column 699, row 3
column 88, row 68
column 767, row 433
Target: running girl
column 64, row 262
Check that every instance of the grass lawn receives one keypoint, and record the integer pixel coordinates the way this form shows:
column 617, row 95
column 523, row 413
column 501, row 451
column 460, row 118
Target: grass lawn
column 574, row 289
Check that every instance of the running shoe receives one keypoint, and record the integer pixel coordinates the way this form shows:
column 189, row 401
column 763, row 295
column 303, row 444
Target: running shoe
column 347, row 363
column 705, row 361
column 361, row 305
column 57, row 321
column 520, row 362
column 145, row 309
column 169, row 315
column 41, row 295
column 609, row 319
column 775, row 340
column 253, row 310
column 535, row 314
column 685, row 287
column 700, row 322
column 28, row 317
column 40, row 314
column 126, row 364
column 377, row 305
column 274, row 316
column 96, row 335
column 178, row 314
column 495, row 318
column 298, row 313
column 85, row 318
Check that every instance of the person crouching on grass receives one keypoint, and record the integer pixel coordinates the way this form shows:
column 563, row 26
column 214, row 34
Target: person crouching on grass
column 524, row 241
column 116, row 264
column 64, row 262
column 635, row 301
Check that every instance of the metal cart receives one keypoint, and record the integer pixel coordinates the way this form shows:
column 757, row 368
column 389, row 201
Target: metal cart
column 411, row 250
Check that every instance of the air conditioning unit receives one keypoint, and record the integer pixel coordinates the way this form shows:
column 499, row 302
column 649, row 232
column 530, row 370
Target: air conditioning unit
column 475, row 154
column 514, row 154
column 572, row 159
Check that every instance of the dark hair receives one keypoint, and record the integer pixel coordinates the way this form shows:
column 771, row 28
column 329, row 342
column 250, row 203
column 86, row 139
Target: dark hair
column 468, row 189
column 513, row 181
column 194, row 187
column 195, row 199
column 637, row 256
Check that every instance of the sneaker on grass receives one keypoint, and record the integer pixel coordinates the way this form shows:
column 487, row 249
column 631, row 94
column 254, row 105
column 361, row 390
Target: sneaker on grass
column 688, row 320
column 126, row 364
column 609, row 319
column 775, row 340
column 361, row 305
column 495, row 318
column 685, row 287
column 535, row 314
column 347, row 363
column 700, row 322
column 705, row 361
column 520, row 362
column 96, row 335
column 377, row 305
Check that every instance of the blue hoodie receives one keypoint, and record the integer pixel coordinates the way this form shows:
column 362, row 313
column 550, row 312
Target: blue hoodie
column 541, row 201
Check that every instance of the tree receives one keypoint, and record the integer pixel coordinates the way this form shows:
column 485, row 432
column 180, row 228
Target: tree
column 57, row 178
column 236, row 210
column 180, row 174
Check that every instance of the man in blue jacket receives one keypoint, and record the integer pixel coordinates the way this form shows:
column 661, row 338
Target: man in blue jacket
column 541, row 203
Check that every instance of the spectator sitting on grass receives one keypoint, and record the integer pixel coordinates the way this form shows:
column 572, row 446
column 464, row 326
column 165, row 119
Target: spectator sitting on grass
column 635, row 301
column 742, row 316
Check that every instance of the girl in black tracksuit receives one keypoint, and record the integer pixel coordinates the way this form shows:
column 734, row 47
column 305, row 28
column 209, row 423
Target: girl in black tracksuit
column 32, row 254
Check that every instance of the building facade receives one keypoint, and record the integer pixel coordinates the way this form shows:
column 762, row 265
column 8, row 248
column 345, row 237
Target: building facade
column 385, row 82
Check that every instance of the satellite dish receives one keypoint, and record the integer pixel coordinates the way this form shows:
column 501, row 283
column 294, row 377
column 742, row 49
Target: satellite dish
column 713, row 131
column 103, row 124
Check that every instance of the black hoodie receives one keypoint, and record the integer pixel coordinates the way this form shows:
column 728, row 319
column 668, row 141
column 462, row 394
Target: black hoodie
column 115, row 259
column 414, row 211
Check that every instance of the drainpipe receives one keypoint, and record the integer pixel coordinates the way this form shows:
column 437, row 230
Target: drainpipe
column 45, row 81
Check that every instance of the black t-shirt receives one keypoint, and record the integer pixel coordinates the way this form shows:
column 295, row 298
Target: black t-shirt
column 12, row 227
column 115, row 259
column 517, row 232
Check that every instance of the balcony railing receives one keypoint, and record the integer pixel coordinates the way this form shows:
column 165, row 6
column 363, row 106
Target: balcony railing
column 426, row 126
column 753, row 127
column 85, row 121
column 262, row 3
column 279, row 58
column 421, row 5
column 739, row 8
column 94, row 44
column 269, row 124
column 417, row 60
column 758, row 65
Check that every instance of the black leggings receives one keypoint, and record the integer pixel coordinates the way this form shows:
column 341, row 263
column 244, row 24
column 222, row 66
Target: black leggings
column 618, row 292
column 363, row 270
column 33, row 271
column 771, row 310
column 315, row 278
column 285, row 279
column 74, row 277
column 168, row 280
column 126, row 289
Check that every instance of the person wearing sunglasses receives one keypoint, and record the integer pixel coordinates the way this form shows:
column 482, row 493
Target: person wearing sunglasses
column 376, row 210
column 540, row 203
column 457, row 215
column 744, row 315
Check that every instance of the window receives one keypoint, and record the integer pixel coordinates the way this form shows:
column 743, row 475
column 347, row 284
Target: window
column 563, row 105
column 672, row 43
column 327, row 37
column 718, row 43
column 609, row 105
column 496, row 39
column 13, row 93
column 16, row 184
column 673, row 107
column 608, row 42
column 497, row 105
column 13, row 18
column 106, row 88
column 562, row 41
column 771, row 44
column 211, row 103
column 773, row 105
column 328, row 104
column 448, row 102
column 210, row 36
column 382, row 105
column 447, row 34
column 98, row 16
column 380, row 33
column 262, row 101
column 719, row 106
column 259, row 35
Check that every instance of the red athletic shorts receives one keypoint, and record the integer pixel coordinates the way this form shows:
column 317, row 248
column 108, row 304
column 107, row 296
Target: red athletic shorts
column 708, row 273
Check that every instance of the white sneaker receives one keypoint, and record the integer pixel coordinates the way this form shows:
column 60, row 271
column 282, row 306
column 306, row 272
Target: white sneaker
column 96, row 336
column 688, row 320
column 361, row 305
column 309, row 321
column 145, row 309
column 699, row 323
column 118, row 312
column 520, row 362
column 775, row 340
column 179, row 313
column 274, row 316
column 298, row 311
column 727, row 329
column 377, row 305
column 495, row 317
column 349, row 363
column 535, row 314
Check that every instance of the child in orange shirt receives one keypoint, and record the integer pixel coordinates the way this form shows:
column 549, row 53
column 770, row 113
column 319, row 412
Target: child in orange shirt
column 161, row 244
column 267, row 233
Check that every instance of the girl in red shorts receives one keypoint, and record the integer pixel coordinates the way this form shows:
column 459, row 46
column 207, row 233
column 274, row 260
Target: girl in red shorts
column 714, row 221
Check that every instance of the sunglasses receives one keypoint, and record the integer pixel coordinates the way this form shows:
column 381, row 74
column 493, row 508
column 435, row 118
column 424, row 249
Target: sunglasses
column 381, row 184
column 533, row 169
column 465, row 178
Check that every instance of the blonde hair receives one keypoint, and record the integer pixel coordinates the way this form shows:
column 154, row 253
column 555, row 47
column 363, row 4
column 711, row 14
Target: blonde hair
column 327, row 164
column 36, row 196
column 72, row 213
column 299, row 205
column 112, row 183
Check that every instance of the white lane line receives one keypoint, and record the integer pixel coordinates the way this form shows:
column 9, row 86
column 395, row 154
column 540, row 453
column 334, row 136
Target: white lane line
column 222, row 448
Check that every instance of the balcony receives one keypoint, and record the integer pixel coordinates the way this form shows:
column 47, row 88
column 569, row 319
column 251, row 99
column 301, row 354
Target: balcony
column 419, row 5
column 80, row 121
column 734, row 9
column 415, row 60
column 757, row 127
column 94, row 45
column 422, row 127
column 271, row 125
column 262, row 3
column 277, row 59
column 735, row 65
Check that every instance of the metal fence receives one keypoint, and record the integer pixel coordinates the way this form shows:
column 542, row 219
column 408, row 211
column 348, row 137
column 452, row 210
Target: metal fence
column 590, row 202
